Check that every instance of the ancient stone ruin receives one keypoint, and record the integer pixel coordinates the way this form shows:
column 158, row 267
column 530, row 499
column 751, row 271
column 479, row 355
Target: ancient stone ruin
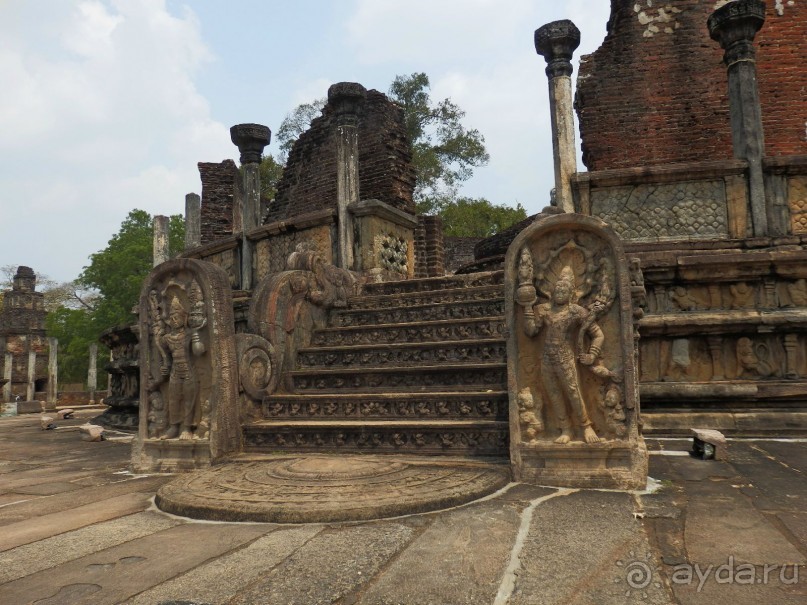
column 324, row 322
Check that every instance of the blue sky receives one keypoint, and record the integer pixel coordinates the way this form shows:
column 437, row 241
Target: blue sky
column 109, row 104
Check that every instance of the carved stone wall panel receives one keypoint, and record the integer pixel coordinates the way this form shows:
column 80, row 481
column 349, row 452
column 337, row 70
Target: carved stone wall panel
column 383, row 247
column 274, row 250
column 226, row 260
column 693, row 210
column 797, row 200
column 188, row 369
column 572, row 367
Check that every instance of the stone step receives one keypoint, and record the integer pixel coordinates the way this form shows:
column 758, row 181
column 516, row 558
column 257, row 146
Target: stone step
column 448, row 377
column 423, row 331
column 432, row 284
column 463, row 309
column 428, row 297
column 449, row 437
column 490, row 405
column 404, row 355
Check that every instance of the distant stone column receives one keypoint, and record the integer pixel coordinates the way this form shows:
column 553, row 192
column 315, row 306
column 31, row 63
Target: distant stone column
column 193, row 221
column 345, row 98
column 53, row 371
column 8, row 368
column 30, row 393
column 161, row 245
column 734, row 26
column 556, row 42
column 92, row 372
column 250, row 139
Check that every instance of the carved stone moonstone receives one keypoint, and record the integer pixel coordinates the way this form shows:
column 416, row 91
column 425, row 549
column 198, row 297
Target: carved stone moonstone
column 572, row 379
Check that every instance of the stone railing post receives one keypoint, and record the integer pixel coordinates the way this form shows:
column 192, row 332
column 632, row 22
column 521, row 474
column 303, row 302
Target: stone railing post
column 345, row 98
column 161, row 242
column 734, row 26
column 250, row 140
column 193, row 221
column 556, row 42
column 53, row 371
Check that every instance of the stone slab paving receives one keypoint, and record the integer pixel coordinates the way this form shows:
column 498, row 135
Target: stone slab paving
column 75, row 528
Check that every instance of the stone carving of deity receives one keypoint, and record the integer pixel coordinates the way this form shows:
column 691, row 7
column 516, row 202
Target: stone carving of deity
column 560, row 319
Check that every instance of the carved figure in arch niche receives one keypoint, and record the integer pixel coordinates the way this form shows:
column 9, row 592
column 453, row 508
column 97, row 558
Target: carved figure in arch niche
column 560, row 319
column 753, row 359
column 742, row 296
column 797, row 291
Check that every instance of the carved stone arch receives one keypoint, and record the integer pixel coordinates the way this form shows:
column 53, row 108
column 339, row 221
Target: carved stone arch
column 578, row 425
column 187, row 363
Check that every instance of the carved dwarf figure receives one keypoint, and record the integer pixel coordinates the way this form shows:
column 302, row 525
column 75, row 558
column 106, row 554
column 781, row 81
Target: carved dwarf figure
column 560, row 319
column 181, row 342
column 530, row 415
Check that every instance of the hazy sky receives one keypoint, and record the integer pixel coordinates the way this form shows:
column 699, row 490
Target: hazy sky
column 107, row 105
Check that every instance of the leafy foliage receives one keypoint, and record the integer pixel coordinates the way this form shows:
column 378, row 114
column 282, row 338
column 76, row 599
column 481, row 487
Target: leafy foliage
column 470, row 217
column 270, row 170
column 295, row 124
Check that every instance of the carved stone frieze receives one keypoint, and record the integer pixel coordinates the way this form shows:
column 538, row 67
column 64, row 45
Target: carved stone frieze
column 404, row 355
column 441, row 312
column 464, row 295
column 440, row 378
column 476, row 329
column 692, row 209
column 489, row 441
column 797, row 200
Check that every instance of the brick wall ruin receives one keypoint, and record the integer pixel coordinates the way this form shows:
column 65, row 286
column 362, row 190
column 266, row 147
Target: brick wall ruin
column 218, row 186
column 658, row 80
column 459, row 251
column 385, row 162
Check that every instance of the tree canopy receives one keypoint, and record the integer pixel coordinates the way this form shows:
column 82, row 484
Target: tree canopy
column 114, row 278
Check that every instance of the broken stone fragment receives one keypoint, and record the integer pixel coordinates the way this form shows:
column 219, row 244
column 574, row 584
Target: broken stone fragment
column 91, row 432
column 709, row 444
column 46, row 422
column 65, row 414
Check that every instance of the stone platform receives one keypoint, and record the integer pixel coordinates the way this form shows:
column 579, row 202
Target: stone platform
column 323, row 489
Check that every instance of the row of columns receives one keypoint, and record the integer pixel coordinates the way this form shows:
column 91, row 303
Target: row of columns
column 734, row 26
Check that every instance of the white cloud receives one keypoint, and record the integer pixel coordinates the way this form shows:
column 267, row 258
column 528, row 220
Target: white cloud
column 101, row 116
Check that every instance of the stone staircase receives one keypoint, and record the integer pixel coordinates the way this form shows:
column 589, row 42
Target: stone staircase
column 411, row 367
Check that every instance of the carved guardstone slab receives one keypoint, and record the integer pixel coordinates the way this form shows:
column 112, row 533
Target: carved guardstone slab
column 572, row 379
column 189, row 413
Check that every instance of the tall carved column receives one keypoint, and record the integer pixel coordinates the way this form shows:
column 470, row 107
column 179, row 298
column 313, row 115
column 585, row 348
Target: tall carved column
column 734, row 26
column 556, row 42
column 8, row 368
column 92, row 372
column 53, row 371
column 250, row 139
column 31, row 391
column 345, row 97
column 160, row 244
column 193, row 221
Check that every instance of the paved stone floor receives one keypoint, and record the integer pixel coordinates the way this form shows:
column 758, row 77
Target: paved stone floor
column 76, row 527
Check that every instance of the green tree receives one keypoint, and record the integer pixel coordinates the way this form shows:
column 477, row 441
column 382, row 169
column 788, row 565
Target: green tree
column 270, row 170
column 444, row 152
column 477, row 217
column 117, row 272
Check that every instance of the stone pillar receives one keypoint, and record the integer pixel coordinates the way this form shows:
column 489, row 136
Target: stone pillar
column 30, row 393
column 556, row 42
column 53, row 371
column 161, row 245
column 250, row 139
column 92, row 372
column 345, row 98
column 734, row 26
column 792, row 355
column 8, row 368
column 715, row 344
column 193, row 221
